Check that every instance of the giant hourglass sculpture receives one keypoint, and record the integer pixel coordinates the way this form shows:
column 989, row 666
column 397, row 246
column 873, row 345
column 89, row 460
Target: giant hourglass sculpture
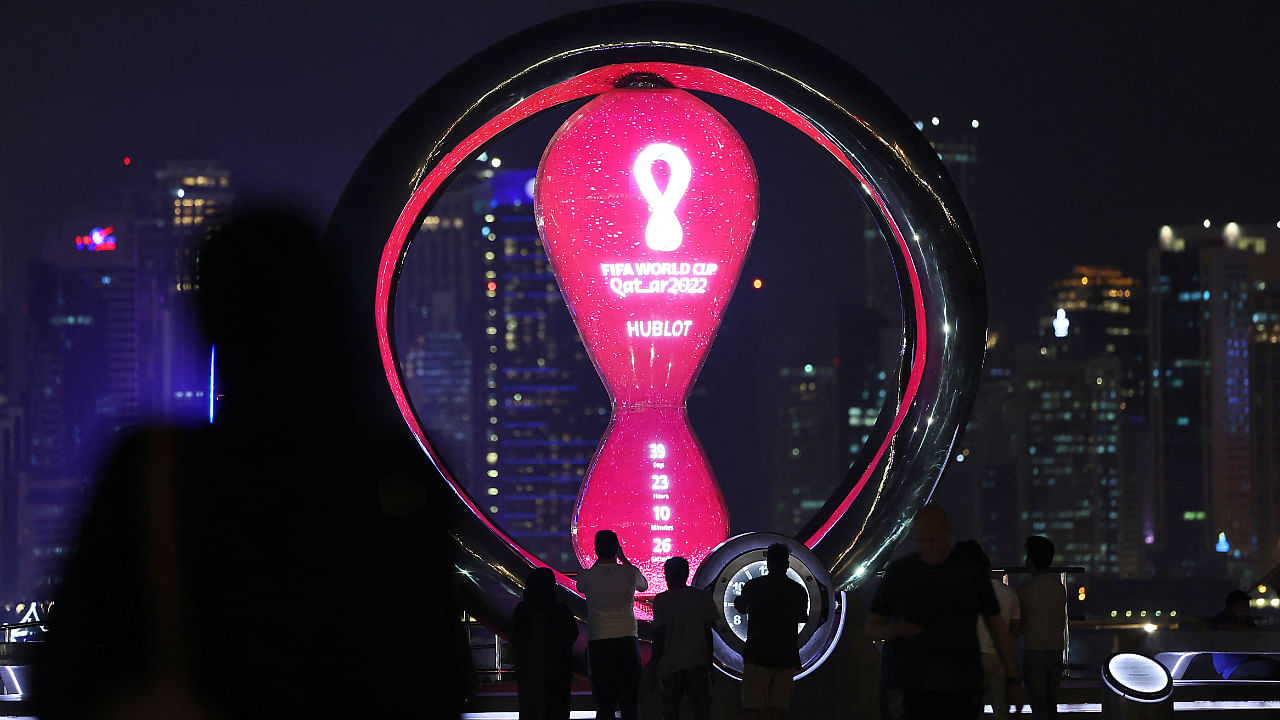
column 646, row 200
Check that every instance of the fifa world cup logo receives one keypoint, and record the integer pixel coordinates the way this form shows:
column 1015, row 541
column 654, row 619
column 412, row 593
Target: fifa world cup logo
column 646, row 200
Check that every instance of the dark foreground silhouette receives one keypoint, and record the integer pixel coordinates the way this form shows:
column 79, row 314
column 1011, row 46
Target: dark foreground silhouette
column 286, row 561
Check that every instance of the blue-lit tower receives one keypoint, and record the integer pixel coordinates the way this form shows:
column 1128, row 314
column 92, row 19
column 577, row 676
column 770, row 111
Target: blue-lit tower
column 543, row 409
column 1208, row 287
column 492, row 360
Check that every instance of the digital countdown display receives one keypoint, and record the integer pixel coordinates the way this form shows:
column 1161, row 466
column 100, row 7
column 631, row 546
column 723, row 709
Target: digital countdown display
column 646, row 200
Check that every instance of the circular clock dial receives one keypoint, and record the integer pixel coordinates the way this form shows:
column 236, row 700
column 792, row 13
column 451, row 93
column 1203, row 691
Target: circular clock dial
column 736, row 621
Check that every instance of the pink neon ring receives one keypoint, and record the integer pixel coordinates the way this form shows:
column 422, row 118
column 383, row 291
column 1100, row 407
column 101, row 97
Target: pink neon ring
column 594, row 82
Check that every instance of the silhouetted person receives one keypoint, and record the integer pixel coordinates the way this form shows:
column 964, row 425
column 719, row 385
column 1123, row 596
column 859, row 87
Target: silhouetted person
column 1043, row 601
column 683, row 618
column 272, row 564
column 775, row 605
column 1235, row 613
column 926, row 607
column 997, row 690
column 613, row 650
column 544, row 631
column 1241, row 666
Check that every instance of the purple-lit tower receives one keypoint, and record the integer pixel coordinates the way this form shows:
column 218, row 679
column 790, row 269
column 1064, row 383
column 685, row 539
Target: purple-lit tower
column 1212, row 372
column 112, row 341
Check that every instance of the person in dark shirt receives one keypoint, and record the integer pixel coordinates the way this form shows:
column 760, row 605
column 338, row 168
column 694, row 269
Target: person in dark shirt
column 1043, row 602
column 776, row 606
column 926, row 607
column 543, row 635
column 1241, row 666
column 1235, row 614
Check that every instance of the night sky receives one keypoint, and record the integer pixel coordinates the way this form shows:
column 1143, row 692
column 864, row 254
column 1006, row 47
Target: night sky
column 1099, row 121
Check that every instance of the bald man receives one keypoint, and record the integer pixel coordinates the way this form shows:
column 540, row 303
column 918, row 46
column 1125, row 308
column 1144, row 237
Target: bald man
column 926, row 608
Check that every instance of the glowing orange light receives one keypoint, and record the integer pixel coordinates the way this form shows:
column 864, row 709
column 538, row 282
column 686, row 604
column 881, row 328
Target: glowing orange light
column 757, row 283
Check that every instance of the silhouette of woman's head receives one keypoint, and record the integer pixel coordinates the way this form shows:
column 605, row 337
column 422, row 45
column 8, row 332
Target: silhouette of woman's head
column 267, row 303
column 541, row 586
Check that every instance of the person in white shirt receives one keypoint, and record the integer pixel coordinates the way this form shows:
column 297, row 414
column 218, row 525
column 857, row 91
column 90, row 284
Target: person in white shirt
column 613, row 651
column 997, row 681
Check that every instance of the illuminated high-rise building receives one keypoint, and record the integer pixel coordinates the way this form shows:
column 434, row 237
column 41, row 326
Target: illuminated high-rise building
column 112, row 342
column 956, row 143
column 805, row 437
column 84, row 385
column 437, row 328
column 980, row 489
column 13, row 471
column 977, row 489
column 1209, row 295
column 1264, row 401
column 194, row 192
column 190, row 197
column 542, row 408
column 492, row 361
column 1085, row 425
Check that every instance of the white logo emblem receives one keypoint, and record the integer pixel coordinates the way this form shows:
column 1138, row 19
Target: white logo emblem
column 663, row 231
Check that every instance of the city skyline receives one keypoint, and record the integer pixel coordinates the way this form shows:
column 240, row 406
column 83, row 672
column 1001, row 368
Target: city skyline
column 1041, row 206
column 1098, row 122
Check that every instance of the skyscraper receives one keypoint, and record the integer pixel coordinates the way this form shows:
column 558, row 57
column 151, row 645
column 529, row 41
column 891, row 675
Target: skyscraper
column 544, row 409
column 976, row 489
column 438, row 328
column 805, row 450
column 112, row 342
column 493, row 363
column 981, row 489
column 1084, row 423
column 1204, row 284
column 83, row 379
column 189, row 199
column 1264, row 401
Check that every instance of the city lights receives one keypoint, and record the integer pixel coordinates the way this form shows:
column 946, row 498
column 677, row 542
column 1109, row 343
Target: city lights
column 1060, row 323
column 98, row 240
column 1020, row 339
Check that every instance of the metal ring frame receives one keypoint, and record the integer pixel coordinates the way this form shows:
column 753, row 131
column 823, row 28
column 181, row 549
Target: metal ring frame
column 907, row 191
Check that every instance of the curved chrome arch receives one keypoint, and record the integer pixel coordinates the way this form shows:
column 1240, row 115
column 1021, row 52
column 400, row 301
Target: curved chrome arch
column 919, row 212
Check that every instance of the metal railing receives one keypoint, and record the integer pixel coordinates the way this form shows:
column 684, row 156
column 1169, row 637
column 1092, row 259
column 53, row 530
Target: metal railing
column 8, row 628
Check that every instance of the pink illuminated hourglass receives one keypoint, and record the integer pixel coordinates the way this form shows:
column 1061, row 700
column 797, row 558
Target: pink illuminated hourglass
column 646, row 200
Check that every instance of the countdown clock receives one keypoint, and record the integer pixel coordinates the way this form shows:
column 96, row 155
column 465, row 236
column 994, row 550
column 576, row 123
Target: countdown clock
column 710, row 52
column 739, row 559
